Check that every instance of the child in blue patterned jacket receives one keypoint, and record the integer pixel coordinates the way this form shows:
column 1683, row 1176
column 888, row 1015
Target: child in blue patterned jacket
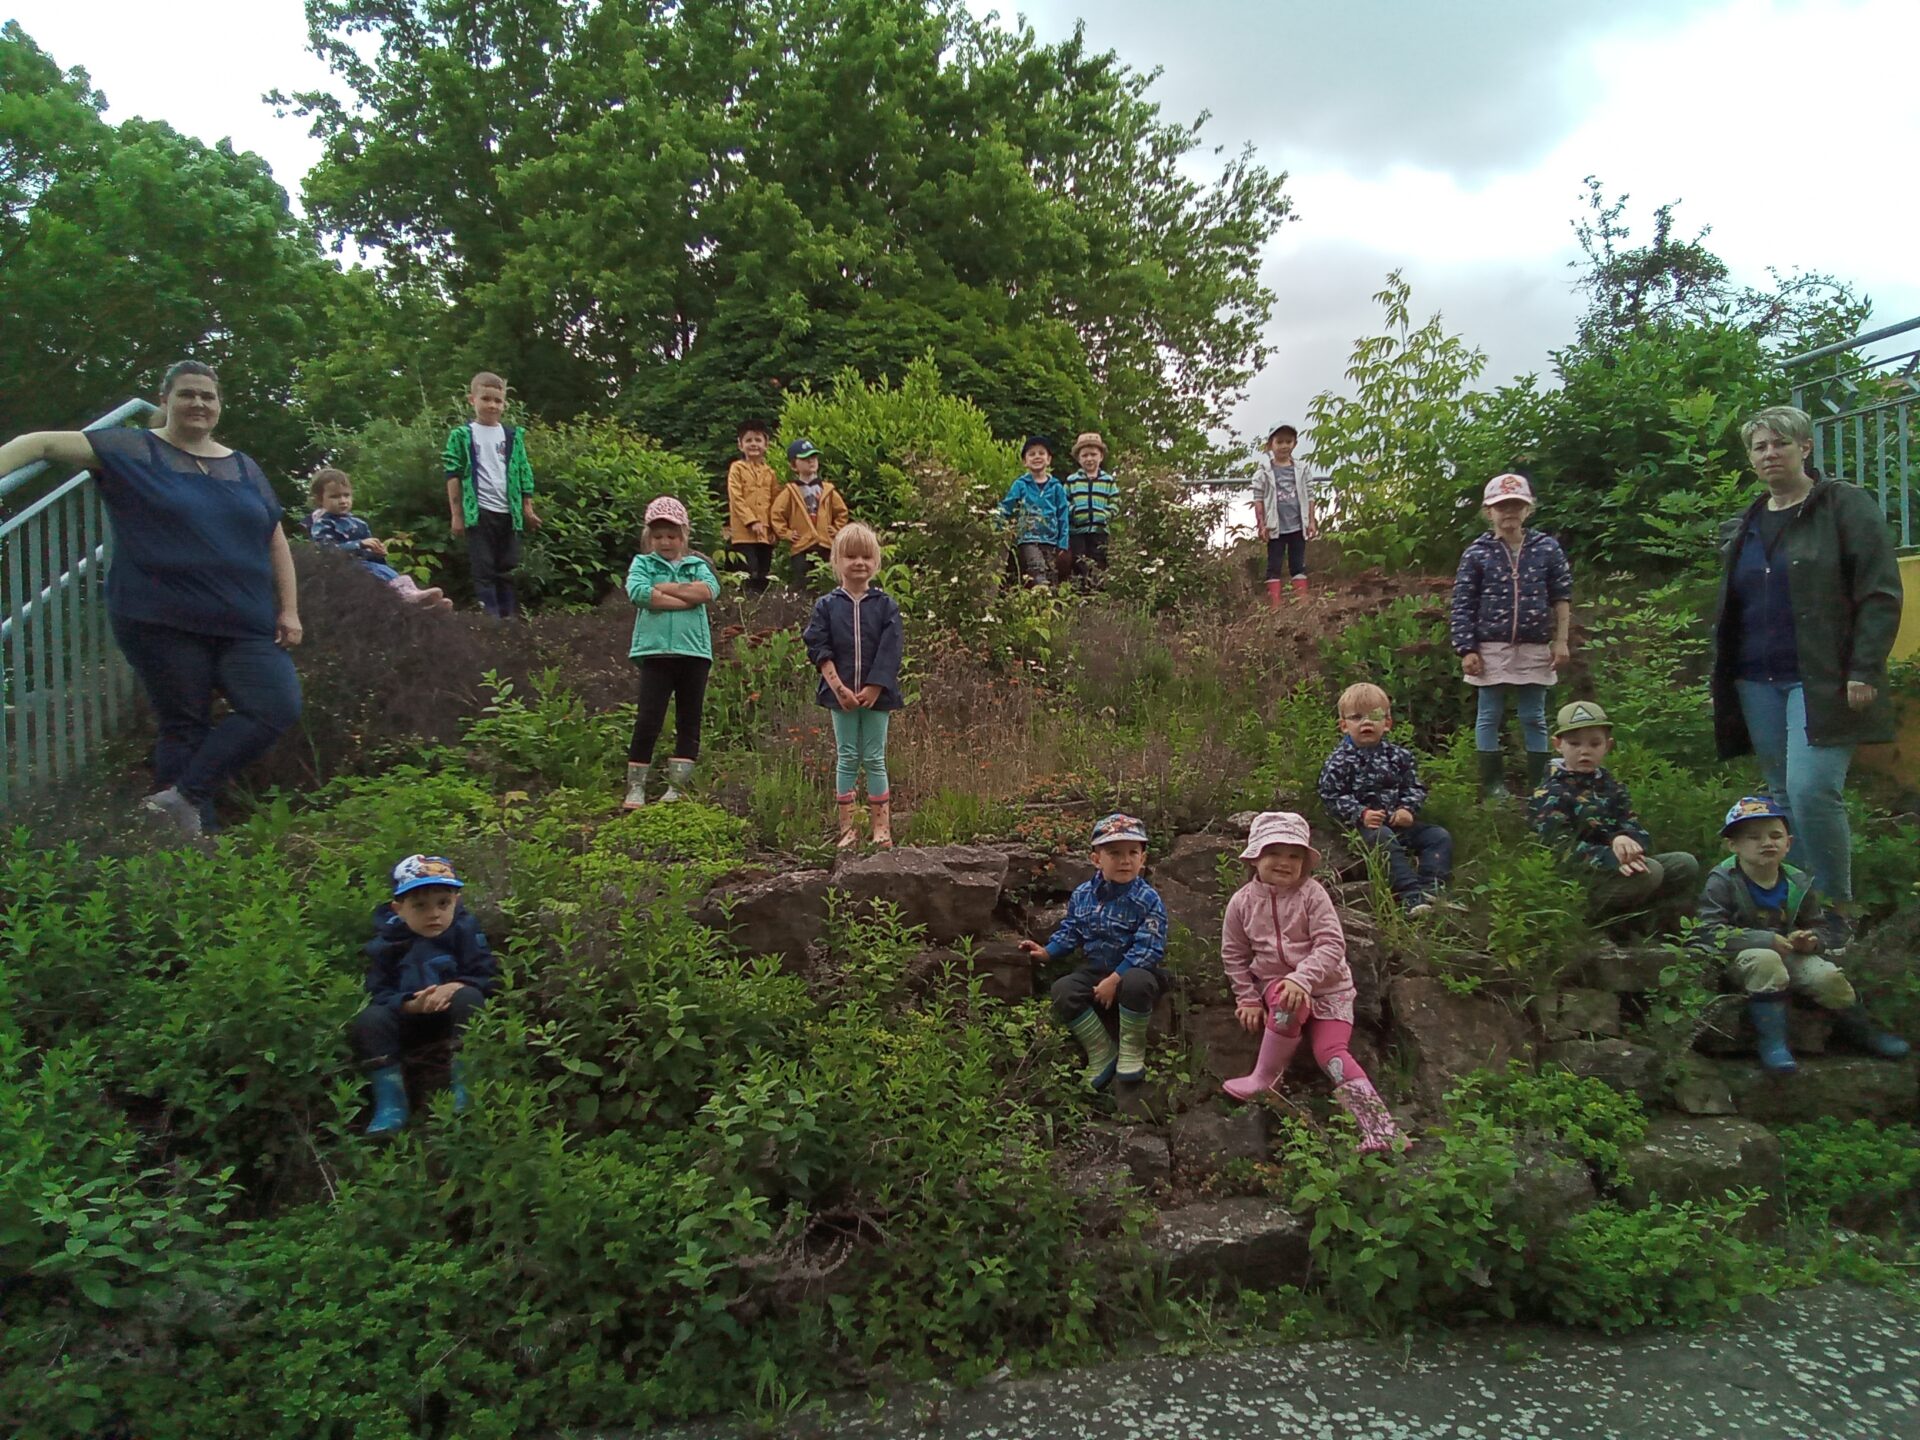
column 1119, row 925
column 334, row 523
column 1371, row 786
column 1512, row 605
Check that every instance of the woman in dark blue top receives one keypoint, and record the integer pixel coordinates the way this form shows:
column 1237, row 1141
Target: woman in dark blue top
column 200, row 591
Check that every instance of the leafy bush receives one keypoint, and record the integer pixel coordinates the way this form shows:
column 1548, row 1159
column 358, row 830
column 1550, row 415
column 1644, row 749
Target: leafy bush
column 1585, row 1116
column 1682, row 1264
column 1856, row 1172
column 556, row 737
column 1159, row 547
column 1403, row 648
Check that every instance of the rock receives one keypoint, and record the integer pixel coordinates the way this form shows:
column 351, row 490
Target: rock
column 1246, row 1243
column 1700, row 1089
column 1689, row 1158
column 1726, row 1030
column 1147, row 1156
column 1105, row 1191
column 1042, row 921
column 1199, row 912
column 1450, row 1035
column 1223, row 1050
column 1026, row 867
column 1573, row 1014
column 1194, row 861
column 1624, row 970
column 779, row 915
column 1632, row 1069
column 1005, row 970
column 1845, row 1087
column 1241, row 822
column 1205, row 1141
column 1064, row 874
column 951, row 890
column 1548, row 1189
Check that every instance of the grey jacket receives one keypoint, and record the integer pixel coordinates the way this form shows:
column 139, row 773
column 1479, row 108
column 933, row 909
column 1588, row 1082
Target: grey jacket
column 1731, row 920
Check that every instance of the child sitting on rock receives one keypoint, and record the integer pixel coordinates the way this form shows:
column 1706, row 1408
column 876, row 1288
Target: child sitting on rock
column 432, row 969
column 1763, row 916
column 1118, row 924
column 334, row 523
column 1371, row 785
column 1586, row 814
column 1286, row 959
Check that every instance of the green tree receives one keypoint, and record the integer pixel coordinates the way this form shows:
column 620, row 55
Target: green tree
column 691, row 210
column 125, row 247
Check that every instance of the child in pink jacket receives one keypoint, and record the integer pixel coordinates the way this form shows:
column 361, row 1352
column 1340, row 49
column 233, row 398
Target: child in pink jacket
column 1286, row 959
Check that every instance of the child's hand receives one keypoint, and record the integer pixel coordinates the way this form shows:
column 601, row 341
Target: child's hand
column 1372, row 819
column 1033, row 948
column 1401, row 818
column 758, row 531
column 526, row 513
column 374, row 548
column 1105, row 992
column 1783, row 945
column 459, row 523
column 1471, row 664
column 1250, row 1016
column 1292, row 998
column 868, row 695
column 1631, row 855
column 1560, row 653
column 848, row 700
column 1804, row 942
column 1313, row 531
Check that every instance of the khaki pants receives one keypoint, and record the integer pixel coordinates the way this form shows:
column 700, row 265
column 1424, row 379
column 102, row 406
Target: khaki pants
column 1768, row 972
column 1670, row 877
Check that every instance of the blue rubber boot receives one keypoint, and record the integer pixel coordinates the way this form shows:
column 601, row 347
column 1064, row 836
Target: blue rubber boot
column 1769, row 1014
column 457, row 1087
column 1853, row 1026
column 390, row 1110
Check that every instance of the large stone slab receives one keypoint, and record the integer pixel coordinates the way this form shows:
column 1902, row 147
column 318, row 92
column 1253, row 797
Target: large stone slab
column 1224, row 1050
column 1247, row 1243
column 1579, row 1014
column 774, row 915
column 1847, row 1087
column 1450, row 1035
column 1206, row 1141
column 1632, row 1069
column 951, row 890
column 1703, row 1157
column 1194, row 861
column 1621, row 969
column 1726, row 1029
column 1548, row 1189
column 1005, row 970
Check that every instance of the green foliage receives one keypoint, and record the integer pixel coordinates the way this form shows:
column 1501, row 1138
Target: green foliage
column 556, row 737
column 699, row 244
column 957, row 817
column 1685, row 1264
column 1582, row 1115
column 1402, row 648
column 759, row 685
column 1649, row 661
column 1159, row 546
column 1392, row 488
column 1534, row 907
column 1853, row 1172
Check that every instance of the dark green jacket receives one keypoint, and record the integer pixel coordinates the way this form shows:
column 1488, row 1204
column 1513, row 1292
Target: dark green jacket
column 1846, row 611
column 457, row 460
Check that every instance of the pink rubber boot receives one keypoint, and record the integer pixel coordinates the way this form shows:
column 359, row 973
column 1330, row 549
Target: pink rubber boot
column 1370, row 1113
column 1278, row 1041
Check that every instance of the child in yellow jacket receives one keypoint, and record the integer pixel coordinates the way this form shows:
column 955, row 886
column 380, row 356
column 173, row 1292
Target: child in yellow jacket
column 751, row 486
column 807, row 513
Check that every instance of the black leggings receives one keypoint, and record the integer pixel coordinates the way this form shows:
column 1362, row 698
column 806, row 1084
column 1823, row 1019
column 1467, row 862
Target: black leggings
column 1287, row 554
column 683, row 678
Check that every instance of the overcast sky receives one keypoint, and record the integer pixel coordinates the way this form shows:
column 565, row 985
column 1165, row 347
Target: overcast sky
column 1446, row 138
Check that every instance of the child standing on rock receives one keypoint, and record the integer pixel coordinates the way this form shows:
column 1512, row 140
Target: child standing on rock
column 1119, row 925
column 1512, row 605
column 1286, row 959
column 1775, row 935
column 855, row 641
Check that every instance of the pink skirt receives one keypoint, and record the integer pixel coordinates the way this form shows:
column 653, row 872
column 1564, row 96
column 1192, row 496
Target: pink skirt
column 1523, row 664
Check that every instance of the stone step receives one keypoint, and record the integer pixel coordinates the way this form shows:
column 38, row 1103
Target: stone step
column 1247, row 1241
column 1702, row 1158
column 1846, row 1087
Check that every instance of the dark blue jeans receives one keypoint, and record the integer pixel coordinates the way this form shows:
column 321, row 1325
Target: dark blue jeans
column 181, row 671
column 1419, row 858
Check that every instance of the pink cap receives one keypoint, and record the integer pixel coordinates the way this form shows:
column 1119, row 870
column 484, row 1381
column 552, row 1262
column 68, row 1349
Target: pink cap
column 1279, row 827
column 1507, row 487
column 669, row 509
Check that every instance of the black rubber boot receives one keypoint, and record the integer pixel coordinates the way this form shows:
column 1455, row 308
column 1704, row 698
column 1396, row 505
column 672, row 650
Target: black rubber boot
column 1493, row 775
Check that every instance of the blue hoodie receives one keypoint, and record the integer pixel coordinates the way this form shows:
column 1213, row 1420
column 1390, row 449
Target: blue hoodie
column 1040, row 513
column 405, row 963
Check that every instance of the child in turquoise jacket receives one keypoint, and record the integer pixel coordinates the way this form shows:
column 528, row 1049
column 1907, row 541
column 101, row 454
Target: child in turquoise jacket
column 672, row 645
column 1037, row 505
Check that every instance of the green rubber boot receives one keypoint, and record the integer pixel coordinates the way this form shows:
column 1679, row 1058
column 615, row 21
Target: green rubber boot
column 1493, row 775
column 1536, row 769
column 1132, row 1062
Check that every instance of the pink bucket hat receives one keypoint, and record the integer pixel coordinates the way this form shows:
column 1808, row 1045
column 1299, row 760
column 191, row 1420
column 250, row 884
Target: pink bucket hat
column 1279, row 827
column 669, row 509
column 1507, row 487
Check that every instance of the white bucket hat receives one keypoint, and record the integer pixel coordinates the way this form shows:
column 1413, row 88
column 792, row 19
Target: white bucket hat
column 1280, row 827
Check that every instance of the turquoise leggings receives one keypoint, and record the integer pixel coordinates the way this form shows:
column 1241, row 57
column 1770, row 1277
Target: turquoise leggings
column 861, row 739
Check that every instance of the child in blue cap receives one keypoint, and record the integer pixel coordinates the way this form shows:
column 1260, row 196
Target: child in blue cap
column 1777, row 938
column 431, row 970
column 1119, row 925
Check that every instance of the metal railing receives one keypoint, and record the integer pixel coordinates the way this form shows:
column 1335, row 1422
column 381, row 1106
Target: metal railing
column 1862, row 407
column 64, row 687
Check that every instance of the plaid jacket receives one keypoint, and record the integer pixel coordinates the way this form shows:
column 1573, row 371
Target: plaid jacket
column 1117, row 927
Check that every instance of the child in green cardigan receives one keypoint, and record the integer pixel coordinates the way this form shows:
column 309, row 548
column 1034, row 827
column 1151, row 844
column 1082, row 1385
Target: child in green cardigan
column 672, row 645
column 490, row 493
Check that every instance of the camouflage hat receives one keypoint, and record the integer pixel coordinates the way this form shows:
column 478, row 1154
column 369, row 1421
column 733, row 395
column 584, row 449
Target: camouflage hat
column 1580, row 715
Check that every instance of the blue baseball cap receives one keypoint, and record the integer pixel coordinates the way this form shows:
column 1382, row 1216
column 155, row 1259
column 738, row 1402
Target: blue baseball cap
column 801, row 450
column 1112, row 829
column 418, row 871
column 1755, row 807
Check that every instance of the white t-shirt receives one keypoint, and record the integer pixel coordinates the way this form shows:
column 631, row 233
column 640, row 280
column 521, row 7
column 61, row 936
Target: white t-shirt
column 490, row 467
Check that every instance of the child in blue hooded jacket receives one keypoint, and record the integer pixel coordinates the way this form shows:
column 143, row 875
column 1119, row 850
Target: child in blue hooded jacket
column 855, row 640
column 1041, row 514
column 431, row 970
